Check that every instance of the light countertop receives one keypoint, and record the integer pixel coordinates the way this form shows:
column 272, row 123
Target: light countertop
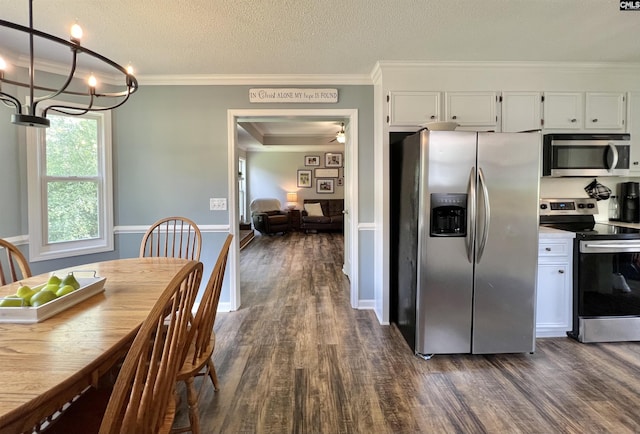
column 623, row 224
column 546, row 232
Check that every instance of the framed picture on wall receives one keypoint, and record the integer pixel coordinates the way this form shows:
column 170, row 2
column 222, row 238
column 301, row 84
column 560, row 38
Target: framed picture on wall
column 304, row 178
column 324, row 186
column 332, row 159
column 311, row 160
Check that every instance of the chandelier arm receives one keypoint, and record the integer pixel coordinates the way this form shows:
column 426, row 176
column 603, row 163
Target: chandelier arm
column 75, row 111
column 11, row 101
column 55, row 93
column 84, row 110
column 113, row 106
column 129, row 90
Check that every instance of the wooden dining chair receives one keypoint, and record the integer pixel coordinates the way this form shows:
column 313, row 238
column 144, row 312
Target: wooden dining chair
column 202, row 340
column 175, row 237
column 15, row 267
column 143, row 398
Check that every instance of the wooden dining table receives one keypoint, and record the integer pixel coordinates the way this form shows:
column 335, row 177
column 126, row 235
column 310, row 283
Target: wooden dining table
column 44, row 365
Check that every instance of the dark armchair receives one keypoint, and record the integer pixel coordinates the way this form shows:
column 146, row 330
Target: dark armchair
column 268, row 218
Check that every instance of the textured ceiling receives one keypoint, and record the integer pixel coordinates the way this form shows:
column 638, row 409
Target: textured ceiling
column 178, row 39
column 187, row 37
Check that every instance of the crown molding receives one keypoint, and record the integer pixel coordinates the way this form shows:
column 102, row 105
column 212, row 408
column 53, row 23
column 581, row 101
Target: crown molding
column 254, row 80
column 318, row 148
column 383, row 65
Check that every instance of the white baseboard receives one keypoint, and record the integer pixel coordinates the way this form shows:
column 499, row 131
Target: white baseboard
column 368, row 304
column 225, row 307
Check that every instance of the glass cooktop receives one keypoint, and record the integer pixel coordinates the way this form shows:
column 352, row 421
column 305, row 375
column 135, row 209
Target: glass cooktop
column 598, row 230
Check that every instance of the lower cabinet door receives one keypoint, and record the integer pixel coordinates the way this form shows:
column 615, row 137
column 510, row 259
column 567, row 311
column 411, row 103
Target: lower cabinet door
column 553, row 302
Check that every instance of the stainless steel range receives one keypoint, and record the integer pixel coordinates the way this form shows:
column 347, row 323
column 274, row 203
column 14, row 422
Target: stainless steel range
column 606, row 263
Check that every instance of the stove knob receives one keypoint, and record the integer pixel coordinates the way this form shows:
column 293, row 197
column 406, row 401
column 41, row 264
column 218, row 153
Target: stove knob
column 590, row 205
column 581, row 205
column 543, row 206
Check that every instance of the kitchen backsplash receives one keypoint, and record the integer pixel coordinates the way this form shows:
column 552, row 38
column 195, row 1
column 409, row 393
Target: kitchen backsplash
column 574, row 187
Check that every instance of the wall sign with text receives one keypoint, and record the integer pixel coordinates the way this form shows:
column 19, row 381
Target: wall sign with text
column 285, row 95
column 626, row 5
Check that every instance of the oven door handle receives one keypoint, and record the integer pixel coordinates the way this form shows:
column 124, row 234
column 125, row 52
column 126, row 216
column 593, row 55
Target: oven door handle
column 609, row 247
column 614, row 151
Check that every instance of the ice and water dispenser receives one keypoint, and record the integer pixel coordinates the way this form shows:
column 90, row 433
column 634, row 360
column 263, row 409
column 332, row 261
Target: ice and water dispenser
column 448, row 215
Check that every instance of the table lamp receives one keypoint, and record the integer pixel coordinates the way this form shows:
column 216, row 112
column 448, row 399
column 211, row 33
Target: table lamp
column 292, row 200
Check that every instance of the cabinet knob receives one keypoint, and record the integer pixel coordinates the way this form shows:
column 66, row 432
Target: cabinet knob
column 561, row 271
column 433, row 117
column 454, row 117
column 635, row 163
column 574, row 120
column 548, row 249
column 594, row 120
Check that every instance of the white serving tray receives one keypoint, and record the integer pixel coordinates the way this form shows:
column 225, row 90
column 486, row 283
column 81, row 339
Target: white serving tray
column 88, row 286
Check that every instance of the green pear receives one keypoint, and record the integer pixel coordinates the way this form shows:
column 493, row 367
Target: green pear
column 51, row 287
column 64, row 290
column 25, row 293
column 54, row 280
column 42, row 297
column 12, row 301
column 70, row 279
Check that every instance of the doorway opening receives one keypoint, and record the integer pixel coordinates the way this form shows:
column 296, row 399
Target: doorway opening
column 350, row 117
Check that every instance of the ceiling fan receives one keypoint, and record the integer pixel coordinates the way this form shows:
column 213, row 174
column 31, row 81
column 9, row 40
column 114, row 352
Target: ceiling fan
column 340, row 137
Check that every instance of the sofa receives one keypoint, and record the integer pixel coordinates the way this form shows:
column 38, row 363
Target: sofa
column 327, row 217
column 268, row 218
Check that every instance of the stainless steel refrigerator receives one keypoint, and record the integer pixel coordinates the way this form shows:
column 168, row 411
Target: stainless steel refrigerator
column 466, row 241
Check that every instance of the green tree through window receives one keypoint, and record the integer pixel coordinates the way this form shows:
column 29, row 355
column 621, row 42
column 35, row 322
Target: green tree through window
column 72, row 179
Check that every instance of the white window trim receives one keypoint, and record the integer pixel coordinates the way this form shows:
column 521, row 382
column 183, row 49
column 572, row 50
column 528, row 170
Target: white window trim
column 39, row 250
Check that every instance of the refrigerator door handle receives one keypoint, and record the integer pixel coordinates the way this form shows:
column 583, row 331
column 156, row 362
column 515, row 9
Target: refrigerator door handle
column 487, row 214
column 471, row 214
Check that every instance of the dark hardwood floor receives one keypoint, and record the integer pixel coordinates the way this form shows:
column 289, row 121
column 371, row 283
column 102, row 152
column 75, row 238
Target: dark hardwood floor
column 296, row 358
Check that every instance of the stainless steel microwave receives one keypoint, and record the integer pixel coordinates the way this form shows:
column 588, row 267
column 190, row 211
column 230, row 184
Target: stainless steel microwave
column 586, row 155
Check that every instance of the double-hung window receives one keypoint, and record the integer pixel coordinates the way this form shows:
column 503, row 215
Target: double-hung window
column 70, row 193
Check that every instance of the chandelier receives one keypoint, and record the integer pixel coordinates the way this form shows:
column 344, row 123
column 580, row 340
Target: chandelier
column 27, row 115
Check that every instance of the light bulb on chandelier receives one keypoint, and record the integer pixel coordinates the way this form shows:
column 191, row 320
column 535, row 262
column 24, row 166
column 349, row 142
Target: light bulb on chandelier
column 30, row 116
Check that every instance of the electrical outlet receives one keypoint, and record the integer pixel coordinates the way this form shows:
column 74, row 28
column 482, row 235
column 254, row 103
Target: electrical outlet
column 218, row 204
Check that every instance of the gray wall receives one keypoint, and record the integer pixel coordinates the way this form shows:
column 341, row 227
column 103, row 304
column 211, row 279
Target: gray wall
column 274, row 174
column 170, row 156
column 11, row 177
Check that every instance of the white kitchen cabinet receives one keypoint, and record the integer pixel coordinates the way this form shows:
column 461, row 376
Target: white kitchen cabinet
column 605, row 110
column 554, row 292
column 634, row 129
column 521, row 111
column 563, row 110
column 472, row 109
column 411, row 109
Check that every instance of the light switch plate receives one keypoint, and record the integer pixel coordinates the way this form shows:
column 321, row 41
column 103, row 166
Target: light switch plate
column 217, row 204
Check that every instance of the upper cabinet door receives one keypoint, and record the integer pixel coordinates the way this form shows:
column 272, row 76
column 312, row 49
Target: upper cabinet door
column 521, row 111
column 605, row 110
column 411, row 109
column 563, row 110
column 472, row 109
